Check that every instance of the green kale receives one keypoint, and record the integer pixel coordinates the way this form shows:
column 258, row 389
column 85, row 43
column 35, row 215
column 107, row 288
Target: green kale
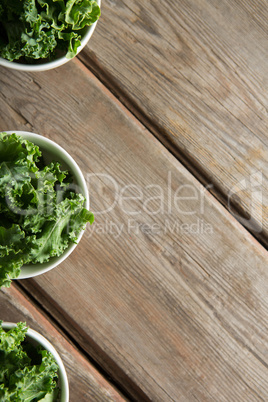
column 27, row 373
column 40, row 214
column 37, row 29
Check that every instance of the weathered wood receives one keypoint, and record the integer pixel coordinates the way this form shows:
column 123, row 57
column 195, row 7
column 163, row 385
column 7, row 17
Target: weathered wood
column 195, row 73
column 177, row 303
column 85, row 382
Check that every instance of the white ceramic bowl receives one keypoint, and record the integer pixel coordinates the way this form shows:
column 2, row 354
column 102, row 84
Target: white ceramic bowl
column 36, row 338
column 48, row 65
column 52, row 151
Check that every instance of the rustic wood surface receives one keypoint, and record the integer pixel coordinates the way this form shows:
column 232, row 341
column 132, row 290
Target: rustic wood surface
column 85, row 382
column 195, row 73
column 173, row 308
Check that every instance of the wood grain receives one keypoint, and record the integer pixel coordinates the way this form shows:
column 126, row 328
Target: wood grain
column 85, row 383
column 195, row 73
column 173, row 308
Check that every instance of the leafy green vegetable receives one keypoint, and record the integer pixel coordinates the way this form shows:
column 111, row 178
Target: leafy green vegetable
column 27, row 373
column 40, row 214
column 37, row 29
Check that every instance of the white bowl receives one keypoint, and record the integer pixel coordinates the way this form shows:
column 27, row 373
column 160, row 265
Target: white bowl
column 36, row 338
column 52, row 151
column 48, row 65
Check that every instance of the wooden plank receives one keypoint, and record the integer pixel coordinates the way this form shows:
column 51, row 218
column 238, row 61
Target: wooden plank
column 177, row 302
column 195, row 73
column 85, row 382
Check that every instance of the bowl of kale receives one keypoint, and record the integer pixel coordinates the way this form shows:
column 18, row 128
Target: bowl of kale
column 38, row 35
column 44, row 205
column 30, row 367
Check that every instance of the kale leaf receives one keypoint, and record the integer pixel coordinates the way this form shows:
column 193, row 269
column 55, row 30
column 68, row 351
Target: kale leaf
column 27, row 373
column 40, row 213
column 36, row 29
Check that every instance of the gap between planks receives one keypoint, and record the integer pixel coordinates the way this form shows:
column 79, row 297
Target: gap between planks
column 111, row 87
column 119, row 387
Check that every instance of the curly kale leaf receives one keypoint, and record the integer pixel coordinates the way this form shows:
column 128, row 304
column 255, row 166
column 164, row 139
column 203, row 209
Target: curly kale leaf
column 36, row 29
column 40, row 213
column 27, row 373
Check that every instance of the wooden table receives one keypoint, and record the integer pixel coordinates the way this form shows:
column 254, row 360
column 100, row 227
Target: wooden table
column 166, row 112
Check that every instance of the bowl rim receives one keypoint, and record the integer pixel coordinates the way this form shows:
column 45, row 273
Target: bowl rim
column 36, row 336
column 28, row 270
column 49, row 65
